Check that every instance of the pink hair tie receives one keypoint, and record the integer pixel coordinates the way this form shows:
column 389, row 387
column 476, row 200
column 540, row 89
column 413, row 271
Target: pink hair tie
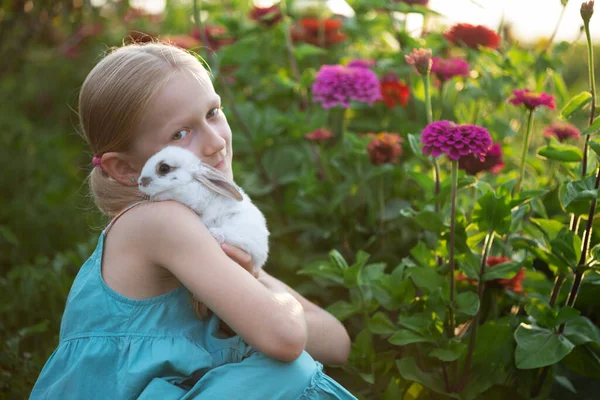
column 97, row 161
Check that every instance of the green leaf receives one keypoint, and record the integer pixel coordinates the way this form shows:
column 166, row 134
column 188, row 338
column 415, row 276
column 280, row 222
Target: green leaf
column 561, row 152
column 538, row 347
column 430, row 221
column 581, row 330
column 505, row 270
column 404, row 337
column 467, row 303
column 452, row 351
column 584, row 361
column 595, row 145
column 336, row 259
column 567, row 247
column 550, row 227
column 415, row 145
column 595, row 126
column 381, row 324
column 576, row 103
column 419, row 322
column 352, row 275
column 541, row 312
column 567, row 314
column 306, row 50
column 343, row 310
column 410, row 371
column 575, row 196
column 324, row 270
column 492, row 213
column 428, row 279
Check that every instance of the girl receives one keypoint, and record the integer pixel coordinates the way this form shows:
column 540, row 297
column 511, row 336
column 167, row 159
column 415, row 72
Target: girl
column 129, row 330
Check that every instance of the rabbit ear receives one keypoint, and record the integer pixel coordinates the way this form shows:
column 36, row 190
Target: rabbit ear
column 213, row 179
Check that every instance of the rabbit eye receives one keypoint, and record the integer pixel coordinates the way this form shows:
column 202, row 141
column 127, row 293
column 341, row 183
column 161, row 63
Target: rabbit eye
column 164, row 169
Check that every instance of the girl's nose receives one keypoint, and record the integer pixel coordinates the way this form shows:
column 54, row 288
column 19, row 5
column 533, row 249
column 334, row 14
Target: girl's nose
column 213, row 142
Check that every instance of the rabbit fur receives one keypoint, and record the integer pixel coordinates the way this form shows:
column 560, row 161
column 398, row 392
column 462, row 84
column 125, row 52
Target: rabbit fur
column 175, row 173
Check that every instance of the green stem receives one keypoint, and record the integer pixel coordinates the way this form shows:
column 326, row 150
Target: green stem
column 487, row 245
column 427, row 87
column 524, row 154
column 451, row 321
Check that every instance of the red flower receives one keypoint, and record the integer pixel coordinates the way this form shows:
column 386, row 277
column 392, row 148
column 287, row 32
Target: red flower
column 492, row 162
column 216, row 36
column 514, row 284
column 183, row 41
column 266, row 15
column 394, row 91
column 473, row 36
column 562, row 131
column 532, row 100
column 319, row 135
column 384, row 148
column 309, row 30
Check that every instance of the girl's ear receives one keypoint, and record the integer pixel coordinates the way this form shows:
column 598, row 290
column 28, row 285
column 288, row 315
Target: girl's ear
column 119, row 168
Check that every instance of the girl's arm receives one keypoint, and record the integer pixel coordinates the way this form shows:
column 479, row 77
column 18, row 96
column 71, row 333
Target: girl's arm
column 171, row 236
column 328, row 341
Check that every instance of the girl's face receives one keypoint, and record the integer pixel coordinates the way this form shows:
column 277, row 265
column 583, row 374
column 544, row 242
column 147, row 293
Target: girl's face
column 186, row 112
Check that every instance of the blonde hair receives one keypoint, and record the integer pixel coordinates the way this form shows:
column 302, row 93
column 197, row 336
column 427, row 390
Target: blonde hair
column 112, row 102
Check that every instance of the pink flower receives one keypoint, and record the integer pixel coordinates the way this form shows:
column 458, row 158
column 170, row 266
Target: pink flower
column 319, row 135
column 420, row 59
column 532, row 100
column 448, row 68
column 337, row 85
column 492, row 162
column 562, row 131
column 456, row 141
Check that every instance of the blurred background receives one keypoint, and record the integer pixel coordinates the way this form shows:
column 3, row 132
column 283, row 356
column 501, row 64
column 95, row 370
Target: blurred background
column 48, row 222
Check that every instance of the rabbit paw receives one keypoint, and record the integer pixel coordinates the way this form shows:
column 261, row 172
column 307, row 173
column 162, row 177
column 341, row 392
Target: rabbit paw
column 217, row 234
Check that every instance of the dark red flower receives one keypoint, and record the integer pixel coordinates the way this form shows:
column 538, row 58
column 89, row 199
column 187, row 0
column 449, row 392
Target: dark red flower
column 216, row 36
column 319, row 135
column 319, row 32
column 473, row 36
column 384, row 148
column 394, row 91
column 514, row 284
column 492, row 162
column 266, row 15
column 562, row 131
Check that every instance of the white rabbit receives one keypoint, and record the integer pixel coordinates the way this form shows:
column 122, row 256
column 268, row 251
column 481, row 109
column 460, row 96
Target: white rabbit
column 175, row 173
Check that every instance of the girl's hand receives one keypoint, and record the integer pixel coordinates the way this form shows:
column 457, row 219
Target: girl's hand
column 240, row 256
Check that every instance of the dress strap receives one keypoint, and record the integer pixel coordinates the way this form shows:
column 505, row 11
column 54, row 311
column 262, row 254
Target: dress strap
column 110, row 224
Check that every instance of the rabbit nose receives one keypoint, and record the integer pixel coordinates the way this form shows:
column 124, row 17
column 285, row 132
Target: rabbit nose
column 145, row 181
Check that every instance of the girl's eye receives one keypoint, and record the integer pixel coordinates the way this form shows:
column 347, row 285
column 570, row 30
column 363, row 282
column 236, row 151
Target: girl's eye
column 213, row 112
column 180, row 134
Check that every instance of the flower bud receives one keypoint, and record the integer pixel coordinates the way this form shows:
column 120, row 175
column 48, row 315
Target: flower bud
column 420, row 59
column 587, row 9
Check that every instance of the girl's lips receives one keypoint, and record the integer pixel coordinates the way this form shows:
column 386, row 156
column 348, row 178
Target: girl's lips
column 220, row 165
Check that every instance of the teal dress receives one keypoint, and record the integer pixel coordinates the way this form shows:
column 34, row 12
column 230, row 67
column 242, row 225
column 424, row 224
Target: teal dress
column 114, row 347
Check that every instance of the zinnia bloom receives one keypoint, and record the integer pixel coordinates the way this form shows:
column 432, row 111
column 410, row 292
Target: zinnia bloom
column 309, row 30
column 420, row 59
column 216, row 36
column 586, row 10
column 319, row 135
column 514, row 284
column 358, row 63
column 384, row 148
column 393, row 91
column 492, row 162
column 456, row 141
column 532, row 100
column 448, row 68
column 473, row 36
column 336, row 85
column 266, row 15
column 562, row 131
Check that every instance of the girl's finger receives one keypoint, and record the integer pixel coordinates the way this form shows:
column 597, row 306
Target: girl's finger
column 238, row 255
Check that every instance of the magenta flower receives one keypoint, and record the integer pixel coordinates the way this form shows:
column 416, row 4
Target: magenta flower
column 532, row 100
column 456, row 141
column 337, row 85
column 562, row 131
column 492, row 163
column 359, row 63
column 448, row 68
